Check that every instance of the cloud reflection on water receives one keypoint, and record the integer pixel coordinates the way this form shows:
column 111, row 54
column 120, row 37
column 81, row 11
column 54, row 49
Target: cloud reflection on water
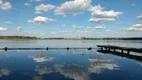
column 43, row 70
column 5, row 72
column 78, row 72
column 98, row 64
column 77, row 52
column 42, row 58
column 140, row 63
column 73, row 71
column 37, row 78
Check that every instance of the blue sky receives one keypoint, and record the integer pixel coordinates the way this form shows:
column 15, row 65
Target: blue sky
column 71, row 18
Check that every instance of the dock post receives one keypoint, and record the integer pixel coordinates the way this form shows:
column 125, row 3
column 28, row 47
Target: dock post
column 122, row 51
column 106, row 49
column 109, row 49
column 114, row 50
column 128, row 52
column 101, row 48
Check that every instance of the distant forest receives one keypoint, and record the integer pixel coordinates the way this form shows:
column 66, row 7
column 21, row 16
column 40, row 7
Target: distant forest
column 83, row 38
column 131, row 38
column 18, row 37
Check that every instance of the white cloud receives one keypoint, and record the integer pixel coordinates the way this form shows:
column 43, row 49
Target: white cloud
column 133, row 29
column 81, row 27
column 88, row 29
column 100, row 27
column 52, row 33
column 74, row 7
column 77, row 27
column 136, row 27
column 19, row 28
column 108, row 30
column 96, row 8
column 36, row 0
column 133, row 5
column 85, row 31
column 1, row 2
column 118, row 22
column 65, row 31
column 98, row 11
column 139, row 17
column 99, row 15
column 44, row 8
column 27, row 4
column 5, row 5
column 3, row 29
column 8, row 22
column 95, row 19
column 63, row 26
column 41, row 20
column 105, row 13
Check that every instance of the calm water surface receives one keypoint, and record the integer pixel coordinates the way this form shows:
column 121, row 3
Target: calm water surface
column 67, row 65
column 69, row 43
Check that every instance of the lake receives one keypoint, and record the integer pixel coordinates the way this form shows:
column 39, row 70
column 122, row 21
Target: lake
column 69, row 43
column 74, row 64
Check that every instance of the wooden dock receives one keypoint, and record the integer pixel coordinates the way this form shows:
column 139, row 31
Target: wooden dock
column 129, row 56
column 114, row 48
column 124, row 51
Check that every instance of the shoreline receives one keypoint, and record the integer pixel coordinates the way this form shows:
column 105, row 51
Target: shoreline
column 75, row 39
column 61, row 38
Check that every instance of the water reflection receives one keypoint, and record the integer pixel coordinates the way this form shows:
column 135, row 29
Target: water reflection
column 98, row 64
column 7, row 54
column 43, row 70
column 140, row 63
column 73, row 71
column 76, row 52
column 69, row 43
column 5, row 72
column 72, row 66
column 42, row 58
column 37, row 78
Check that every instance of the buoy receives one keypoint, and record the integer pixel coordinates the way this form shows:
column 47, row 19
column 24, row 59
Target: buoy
column 47, row 48
column 68, row 48
column 5, row 48
column 90, row 48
